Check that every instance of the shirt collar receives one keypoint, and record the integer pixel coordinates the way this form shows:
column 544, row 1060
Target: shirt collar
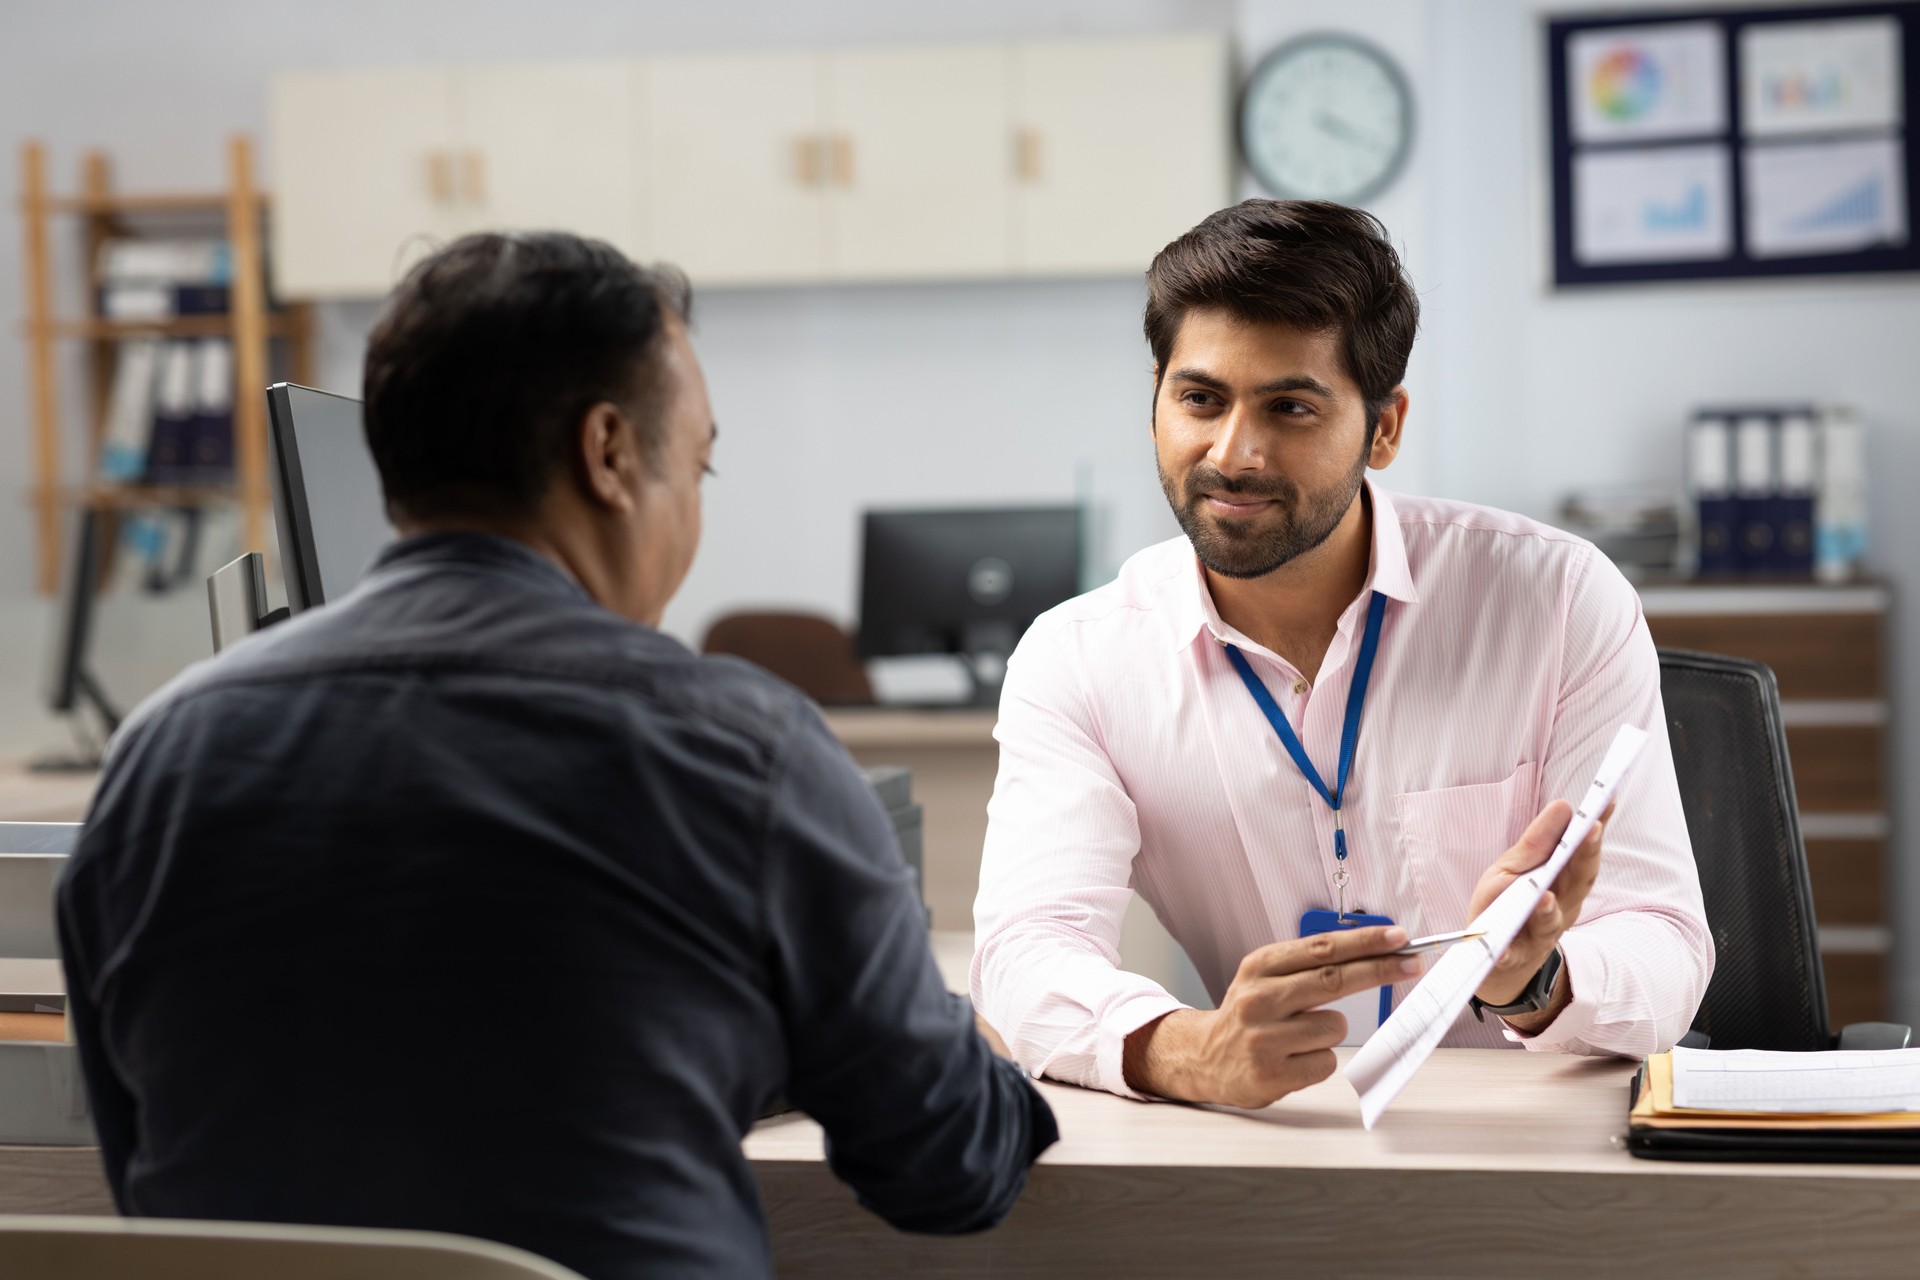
column 1190, row 604
column 485, row 551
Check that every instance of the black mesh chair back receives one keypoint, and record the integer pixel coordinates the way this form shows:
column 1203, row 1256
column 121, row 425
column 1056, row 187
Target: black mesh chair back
column 1730, row 753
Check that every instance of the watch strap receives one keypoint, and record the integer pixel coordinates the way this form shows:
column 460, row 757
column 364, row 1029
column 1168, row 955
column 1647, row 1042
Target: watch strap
column 1537, row 996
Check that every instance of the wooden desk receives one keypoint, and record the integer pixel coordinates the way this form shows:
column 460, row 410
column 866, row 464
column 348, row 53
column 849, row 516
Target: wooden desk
column 1492, row 1163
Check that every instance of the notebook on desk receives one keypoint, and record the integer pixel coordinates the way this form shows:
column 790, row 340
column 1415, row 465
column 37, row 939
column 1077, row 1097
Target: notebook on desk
column 1746, row 1105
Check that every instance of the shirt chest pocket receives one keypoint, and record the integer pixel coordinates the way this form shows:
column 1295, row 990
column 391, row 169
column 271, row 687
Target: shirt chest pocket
column 1449, row 836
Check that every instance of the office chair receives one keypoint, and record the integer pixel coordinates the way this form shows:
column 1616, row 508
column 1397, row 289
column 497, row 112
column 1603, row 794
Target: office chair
column 1736, row 787
column 50, row 1248
column 807, row 651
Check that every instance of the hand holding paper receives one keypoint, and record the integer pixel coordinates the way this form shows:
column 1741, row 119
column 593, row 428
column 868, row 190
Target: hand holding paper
column 1386, row 1062
column 1554, row 913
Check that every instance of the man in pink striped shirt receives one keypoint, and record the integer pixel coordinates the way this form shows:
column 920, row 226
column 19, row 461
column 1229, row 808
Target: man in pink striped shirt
column 1144, row 726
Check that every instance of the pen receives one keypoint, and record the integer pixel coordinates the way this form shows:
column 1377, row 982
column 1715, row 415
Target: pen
column 1438, row 942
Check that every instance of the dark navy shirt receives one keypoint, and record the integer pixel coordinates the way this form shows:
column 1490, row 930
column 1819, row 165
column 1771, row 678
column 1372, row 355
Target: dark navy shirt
column 464, row 904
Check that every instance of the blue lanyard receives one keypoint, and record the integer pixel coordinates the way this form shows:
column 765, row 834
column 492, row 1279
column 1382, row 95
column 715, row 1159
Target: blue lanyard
column 1349, row 731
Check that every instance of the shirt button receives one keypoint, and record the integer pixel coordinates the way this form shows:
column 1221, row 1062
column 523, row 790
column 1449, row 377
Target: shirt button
column 1300, row 686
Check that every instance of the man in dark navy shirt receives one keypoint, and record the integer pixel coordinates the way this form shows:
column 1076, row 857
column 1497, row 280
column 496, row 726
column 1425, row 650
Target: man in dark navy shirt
column 471, row 901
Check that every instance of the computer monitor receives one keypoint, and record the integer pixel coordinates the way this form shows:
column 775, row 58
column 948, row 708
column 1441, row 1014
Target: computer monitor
column 326, row 493
column 966, row 582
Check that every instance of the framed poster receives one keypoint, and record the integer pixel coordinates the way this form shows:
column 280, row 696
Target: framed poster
column 1711, row 144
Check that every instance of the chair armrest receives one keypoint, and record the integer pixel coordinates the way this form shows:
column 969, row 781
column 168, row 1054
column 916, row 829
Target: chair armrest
column 1694, row 1040
column 1875, row 1035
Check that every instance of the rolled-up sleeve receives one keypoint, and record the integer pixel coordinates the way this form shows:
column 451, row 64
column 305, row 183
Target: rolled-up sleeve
column 1640, row 956
column 1055, row 879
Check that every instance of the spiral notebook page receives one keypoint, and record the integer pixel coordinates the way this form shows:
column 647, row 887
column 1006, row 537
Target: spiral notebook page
column 1386, row 1062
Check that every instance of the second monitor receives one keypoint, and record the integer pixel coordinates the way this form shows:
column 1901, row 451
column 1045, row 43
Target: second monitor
column 964, row 582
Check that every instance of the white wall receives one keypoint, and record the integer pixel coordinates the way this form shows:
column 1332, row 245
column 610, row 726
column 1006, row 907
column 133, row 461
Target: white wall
column 832, row 399
column 829, row 399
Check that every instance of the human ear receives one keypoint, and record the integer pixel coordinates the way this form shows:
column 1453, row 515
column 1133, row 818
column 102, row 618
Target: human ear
column 607, row 456
column 1387, row 435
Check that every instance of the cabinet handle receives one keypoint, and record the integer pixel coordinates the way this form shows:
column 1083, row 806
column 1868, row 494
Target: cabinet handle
column 1027, row 155
column 842, row 160
column 806, row 160
column 473, row 177
column 439, row 177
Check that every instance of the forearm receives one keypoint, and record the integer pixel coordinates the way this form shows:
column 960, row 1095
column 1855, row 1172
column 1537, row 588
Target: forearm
column 1162, row 1059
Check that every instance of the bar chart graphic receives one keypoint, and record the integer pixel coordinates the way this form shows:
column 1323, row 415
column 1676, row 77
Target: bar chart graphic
column 1823, row 199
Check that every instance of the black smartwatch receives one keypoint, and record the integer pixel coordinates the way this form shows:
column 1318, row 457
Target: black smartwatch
column 1537, row 996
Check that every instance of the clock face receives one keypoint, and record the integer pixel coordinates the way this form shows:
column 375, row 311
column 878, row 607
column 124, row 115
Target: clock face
column 1326, row 117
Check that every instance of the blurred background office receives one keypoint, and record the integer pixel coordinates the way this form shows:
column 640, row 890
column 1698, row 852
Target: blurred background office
column 917, row 233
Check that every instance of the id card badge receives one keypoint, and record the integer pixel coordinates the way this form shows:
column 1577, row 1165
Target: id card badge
column 1365, row 1010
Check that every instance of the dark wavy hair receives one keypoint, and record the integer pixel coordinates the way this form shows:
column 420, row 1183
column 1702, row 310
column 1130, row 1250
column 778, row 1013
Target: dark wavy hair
column 1309, row 264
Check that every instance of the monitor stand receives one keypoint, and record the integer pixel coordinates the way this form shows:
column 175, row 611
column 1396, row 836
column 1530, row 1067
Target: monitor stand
column 237, row 599
column 75, row 685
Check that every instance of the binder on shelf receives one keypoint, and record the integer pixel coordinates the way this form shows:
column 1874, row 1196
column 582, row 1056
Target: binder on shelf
column 199, row 260
column 157, row 300
column 1799, row 485
column 161, row 279
column 123, row 444
column 1756, row 490
column 209, row 432
column 167, row 449
column 1710, row 486
column 1840, row 514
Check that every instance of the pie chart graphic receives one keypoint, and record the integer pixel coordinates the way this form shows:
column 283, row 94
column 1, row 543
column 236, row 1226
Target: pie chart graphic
column 1625, row 84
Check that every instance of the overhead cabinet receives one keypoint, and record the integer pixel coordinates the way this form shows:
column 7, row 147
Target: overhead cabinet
column 1120, row 146
column 737, row 174
column 372, row 170
column 1059, row 157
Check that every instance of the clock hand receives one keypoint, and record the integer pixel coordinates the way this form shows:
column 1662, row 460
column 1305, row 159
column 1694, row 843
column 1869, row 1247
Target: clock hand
column 1334, row 126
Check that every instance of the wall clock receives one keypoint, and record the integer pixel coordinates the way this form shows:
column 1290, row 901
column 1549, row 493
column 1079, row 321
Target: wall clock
column 1326, row 117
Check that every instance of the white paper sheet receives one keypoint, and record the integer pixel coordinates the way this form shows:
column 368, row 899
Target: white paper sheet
column 1386, row 1062
column 1845, row 1081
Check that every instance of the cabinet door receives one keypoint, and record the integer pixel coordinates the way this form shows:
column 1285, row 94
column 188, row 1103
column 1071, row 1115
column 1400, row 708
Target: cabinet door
column 549, row 147
column 737, row 174
column 1122, row 145
column 362, row 177
column 920, row 160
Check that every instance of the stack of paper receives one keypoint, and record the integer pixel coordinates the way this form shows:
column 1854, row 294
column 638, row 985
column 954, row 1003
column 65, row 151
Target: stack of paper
column 1745, row 1104
column 1841, row 1082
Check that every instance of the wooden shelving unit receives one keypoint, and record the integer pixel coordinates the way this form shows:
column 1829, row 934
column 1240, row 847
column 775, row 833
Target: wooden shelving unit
column 107, row 214
column 1827, row 646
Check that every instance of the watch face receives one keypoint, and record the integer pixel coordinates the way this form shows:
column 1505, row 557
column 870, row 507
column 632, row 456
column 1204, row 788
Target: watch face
column 1326, row 117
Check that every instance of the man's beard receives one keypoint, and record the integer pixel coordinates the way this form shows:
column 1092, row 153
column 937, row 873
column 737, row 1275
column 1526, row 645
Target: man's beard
column 1236, row 550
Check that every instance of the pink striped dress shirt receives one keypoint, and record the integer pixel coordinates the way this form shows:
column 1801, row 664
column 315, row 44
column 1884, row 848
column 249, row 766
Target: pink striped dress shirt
column 1133, row 760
